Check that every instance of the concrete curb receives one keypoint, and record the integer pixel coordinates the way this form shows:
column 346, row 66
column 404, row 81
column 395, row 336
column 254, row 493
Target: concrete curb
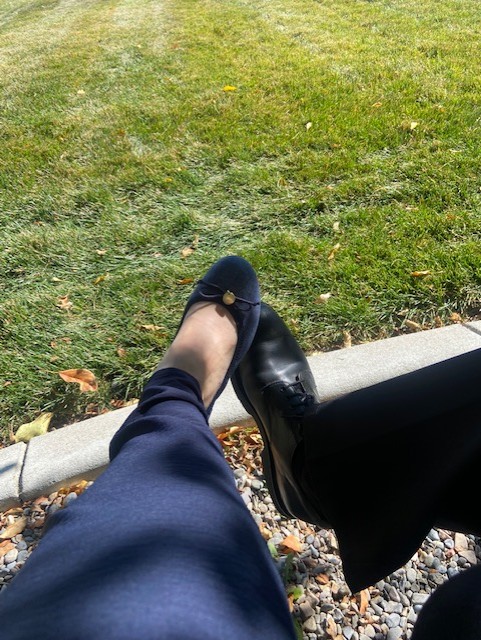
column 80, row 451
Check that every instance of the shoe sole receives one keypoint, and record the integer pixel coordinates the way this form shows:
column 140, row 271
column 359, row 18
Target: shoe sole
column 266, row 456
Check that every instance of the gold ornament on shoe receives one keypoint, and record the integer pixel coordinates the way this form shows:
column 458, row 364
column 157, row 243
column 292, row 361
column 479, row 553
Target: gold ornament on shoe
column 228, row 298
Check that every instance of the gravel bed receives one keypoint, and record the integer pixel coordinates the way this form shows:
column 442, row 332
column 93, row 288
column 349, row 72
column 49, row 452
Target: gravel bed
column 307, row 559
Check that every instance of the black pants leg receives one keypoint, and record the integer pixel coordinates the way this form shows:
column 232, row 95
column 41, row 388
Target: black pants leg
column 386, row 463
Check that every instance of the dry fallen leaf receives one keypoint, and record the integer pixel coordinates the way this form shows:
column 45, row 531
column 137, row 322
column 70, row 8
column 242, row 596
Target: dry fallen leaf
column 308, row 125
column 420, row 274
column 185, row 281
column 291, row 543
column 30, row 430
column 323, row 298
column 413, row 326
column 100, row 252
column 364, row 601
column 455, row 317
column 85, row 378
column 187, row 251
column 64, row 303
column 121, row 352
column 376, row 105
column 323, row 578
column 229, row 87
column 150, row 327
column 347, row 340
column 336, row 226
column 14, row 529
column 100, row 278
column 413, row 125
column 333, row 252
column 331, row 626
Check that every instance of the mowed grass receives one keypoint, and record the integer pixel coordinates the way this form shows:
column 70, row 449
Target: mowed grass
column 334, row 144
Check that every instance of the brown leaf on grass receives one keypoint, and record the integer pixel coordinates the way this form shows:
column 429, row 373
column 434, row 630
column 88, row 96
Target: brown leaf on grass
column 64, row 303
column 455, row 317
column 85, row 378
column 150, row 327
column 187, row 251
column 364, row 598
column 14, row 529
column 413, row 326
column 291, row 543
column 121, row 352
column 185, row 281
column 333, row 252
column 346, row 339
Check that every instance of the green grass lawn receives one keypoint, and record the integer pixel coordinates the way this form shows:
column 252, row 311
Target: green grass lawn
column 335, row 144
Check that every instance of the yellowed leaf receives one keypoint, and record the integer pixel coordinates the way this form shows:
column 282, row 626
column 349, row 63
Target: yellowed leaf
column 80, row 92
column 229, row 87
column 85, row 378
column 420, row 274
column 333, row 252
column 100, row 252
column 291, row 543
column 101, row 278
column 185, row 281
column 14, row 529
column 376, row 105
column 413, row 125
column 30, row 430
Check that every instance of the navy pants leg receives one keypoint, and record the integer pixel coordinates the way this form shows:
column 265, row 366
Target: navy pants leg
column 161, row 546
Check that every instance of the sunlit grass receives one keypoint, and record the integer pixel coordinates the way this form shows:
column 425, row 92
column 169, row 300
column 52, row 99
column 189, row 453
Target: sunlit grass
column 273, row 129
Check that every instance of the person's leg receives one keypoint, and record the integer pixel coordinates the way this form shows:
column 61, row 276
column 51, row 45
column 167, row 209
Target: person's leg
column 161, row 546
column 406, row 444
column 453, row 612
column 381, row 465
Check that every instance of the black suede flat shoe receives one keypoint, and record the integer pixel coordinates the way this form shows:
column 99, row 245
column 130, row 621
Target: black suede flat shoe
column 232, row 283
column 276, row 387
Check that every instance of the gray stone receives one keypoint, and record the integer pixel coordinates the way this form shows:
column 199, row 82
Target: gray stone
column 306, row 611
column 419, row 598
column 10, row 556
column 394, row 634
column 310, row 625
